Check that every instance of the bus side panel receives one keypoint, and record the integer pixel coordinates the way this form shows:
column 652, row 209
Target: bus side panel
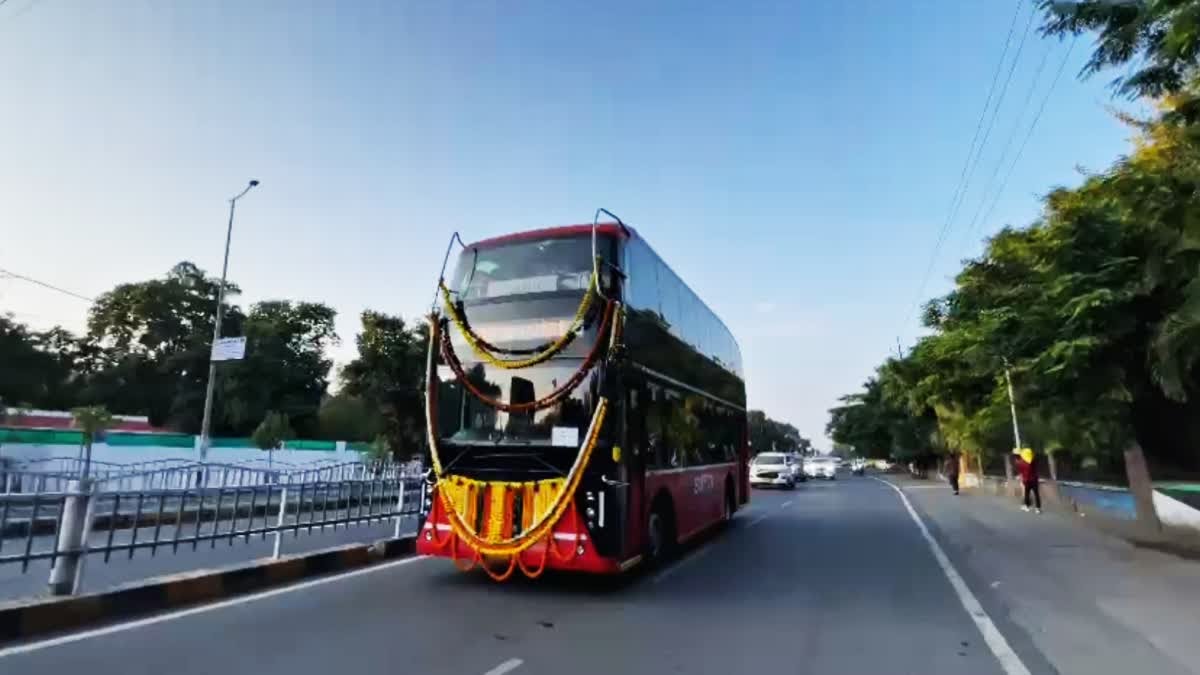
column 697, row 495
column 743, row 455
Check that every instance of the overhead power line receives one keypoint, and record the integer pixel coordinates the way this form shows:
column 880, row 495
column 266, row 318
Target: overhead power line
column 963, row 180
column 1062, row 65
column 999, row 100
column 975, row 222
column 43, row 284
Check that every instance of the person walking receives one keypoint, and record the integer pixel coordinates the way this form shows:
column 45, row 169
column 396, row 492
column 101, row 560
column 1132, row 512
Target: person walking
column 951, row 470
column 1029, row 480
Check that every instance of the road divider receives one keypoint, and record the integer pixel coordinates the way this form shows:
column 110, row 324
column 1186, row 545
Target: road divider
column 22, row 620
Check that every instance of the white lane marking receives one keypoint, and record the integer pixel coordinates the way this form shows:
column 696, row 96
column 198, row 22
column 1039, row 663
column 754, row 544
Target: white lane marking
column 506, row 667
column 758, row 520
column 1009, row 661
column 785, row 504
column 179, row 614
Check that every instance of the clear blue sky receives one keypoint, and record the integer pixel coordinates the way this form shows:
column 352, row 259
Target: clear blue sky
column 792, row 161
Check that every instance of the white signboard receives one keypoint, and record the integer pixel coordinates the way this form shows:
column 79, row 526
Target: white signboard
column 229, row 349
column 541, row 284
column 564, row 436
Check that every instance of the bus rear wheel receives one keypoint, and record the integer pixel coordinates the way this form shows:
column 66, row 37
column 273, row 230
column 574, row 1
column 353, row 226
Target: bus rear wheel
column 659, row 534
column 727, row 516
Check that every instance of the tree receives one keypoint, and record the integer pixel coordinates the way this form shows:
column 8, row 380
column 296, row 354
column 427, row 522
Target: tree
column 862, row 422
column 285, row 369
column 768, row 435
column 1094, row 308
column 389, row 374
column 91, row 421
column 380, row 451
column 1165, row 34
column 156, row 336
column 32, row 376
column 348, row 418
column 270, row 434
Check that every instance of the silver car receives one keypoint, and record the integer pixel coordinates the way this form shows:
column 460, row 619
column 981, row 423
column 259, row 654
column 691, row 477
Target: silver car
column 773, row 469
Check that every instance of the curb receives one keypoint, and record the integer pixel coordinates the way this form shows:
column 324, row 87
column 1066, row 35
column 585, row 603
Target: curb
column 26, row 619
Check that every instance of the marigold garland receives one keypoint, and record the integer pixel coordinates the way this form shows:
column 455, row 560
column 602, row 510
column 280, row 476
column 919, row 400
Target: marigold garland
column 550, row 399
column 481, row 346
column 542, row 527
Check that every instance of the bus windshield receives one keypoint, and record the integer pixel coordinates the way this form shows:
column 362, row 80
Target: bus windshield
column 464, row 420
column 524, row 267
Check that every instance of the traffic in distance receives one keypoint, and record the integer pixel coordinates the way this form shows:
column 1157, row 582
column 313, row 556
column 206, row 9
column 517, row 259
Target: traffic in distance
column 786, row 469
column 586, row 410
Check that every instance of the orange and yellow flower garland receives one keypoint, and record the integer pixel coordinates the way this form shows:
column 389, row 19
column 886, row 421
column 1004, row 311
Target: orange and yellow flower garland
column 481, row 346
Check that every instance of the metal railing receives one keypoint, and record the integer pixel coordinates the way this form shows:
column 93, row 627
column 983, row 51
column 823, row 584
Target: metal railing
column 102, row 519
column 56, row 474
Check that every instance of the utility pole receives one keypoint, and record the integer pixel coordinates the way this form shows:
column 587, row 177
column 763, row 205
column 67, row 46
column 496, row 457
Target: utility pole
column 217, row 316
column 1012, row 405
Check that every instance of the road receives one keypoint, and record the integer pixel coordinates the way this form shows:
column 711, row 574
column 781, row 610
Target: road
column 831, row 578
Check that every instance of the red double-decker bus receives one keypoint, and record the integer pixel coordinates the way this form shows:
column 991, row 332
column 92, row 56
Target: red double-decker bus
column 637, row 425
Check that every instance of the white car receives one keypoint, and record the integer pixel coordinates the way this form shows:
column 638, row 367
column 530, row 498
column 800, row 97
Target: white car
column 773, row 469
column 820, row 467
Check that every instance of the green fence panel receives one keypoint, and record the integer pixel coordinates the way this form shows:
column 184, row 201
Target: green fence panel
column 358, row 446
column 316, row 446
column 151, row 440
column 41, row 436
column 230, row 443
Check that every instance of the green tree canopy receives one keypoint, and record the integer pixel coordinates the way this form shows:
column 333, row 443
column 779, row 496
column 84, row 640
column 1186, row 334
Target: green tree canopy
column 1095, row 311
column 389, row 374
column 286, row 367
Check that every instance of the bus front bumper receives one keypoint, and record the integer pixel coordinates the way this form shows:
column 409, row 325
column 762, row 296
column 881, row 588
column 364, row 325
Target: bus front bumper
column 569, row 552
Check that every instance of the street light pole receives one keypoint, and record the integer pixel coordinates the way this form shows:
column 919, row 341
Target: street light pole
column 1012, row 406
column 218, row 315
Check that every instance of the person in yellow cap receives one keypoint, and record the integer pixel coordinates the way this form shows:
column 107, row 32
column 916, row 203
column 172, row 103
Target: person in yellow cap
column 1027, row 469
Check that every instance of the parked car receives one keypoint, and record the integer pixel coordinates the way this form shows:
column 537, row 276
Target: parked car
column 772, row 469
column 820, row 467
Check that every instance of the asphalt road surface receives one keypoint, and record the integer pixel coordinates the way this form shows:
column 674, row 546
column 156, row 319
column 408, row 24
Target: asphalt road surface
column 830, row 578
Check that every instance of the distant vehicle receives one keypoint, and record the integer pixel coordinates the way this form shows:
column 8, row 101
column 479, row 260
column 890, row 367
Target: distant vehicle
column 858, row 467
column 798, row 467
column 773, row 469
column 821, row 467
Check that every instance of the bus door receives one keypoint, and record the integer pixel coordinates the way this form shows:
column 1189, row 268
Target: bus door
column 633, row 436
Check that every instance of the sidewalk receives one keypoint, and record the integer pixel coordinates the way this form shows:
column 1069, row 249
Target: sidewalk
column 1089, row 602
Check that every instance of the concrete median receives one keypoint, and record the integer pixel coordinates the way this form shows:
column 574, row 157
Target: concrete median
column 22, row 620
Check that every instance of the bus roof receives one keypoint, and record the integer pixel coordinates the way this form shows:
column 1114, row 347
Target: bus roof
column 554, row 233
